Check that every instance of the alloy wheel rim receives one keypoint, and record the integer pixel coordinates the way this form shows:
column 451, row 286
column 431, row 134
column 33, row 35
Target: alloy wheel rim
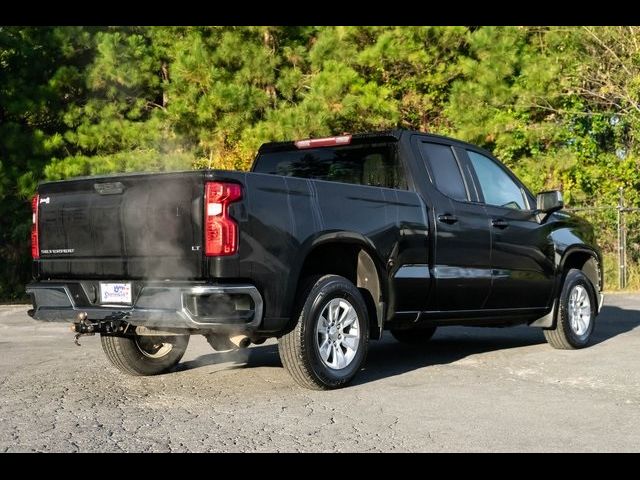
column 152, row 348
column 579, row 310
column 338, row 334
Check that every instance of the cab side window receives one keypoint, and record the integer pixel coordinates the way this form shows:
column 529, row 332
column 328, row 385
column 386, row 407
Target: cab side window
column 498, row 188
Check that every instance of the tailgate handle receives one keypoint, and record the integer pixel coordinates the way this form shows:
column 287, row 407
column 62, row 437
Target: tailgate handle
column 112, row 188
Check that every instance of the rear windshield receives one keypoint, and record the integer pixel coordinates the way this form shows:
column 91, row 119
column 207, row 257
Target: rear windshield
column 374, row 165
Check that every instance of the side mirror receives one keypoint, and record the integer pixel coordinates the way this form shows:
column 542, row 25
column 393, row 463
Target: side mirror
column 549, row 202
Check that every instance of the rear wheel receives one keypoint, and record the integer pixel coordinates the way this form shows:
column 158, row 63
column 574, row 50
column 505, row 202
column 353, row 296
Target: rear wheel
column 414, row 336
column 576, row 314
column 144, row 355
column 220, row 343
column 329, row 343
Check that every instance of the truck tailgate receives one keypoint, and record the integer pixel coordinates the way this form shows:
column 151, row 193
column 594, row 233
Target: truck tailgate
column 127, row 226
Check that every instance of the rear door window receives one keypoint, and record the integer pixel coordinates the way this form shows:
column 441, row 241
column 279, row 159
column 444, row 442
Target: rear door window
column 445, row 170
column 373, row 165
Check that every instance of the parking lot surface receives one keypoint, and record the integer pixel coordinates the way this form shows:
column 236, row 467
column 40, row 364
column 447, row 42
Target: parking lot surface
column 469, row 389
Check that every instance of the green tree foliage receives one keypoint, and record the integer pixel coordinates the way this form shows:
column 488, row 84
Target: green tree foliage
column 41, row 75
column 560, row 105
column 120, row 124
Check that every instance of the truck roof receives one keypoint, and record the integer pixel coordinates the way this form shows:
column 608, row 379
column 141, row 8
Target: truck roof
column 358, row 138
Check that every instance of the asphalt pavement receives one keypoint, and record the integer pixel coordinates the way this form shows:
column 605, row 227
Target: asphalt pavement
column 469, row 389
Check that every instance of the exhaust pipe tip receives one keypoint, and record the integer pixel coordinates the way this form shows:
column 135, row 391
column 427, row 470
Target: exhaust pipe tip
column 240, row 341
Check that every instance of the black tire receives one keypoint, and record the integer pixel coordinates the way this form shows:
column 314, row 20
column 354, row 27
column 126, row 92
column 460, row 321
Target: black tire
column 414, row 336
column 299, row 350
column 128, row 355
column 565, row 336
column 220, row 343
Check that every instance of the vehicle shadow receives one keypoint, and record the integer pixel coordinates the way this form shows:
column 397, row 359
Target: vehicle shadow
column 614, row 321
column 256, row 356
column 388, row 357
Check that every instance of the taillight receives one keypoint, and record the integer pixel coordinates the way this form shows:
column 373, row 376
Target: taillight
column 35, row 246
column 220, row 230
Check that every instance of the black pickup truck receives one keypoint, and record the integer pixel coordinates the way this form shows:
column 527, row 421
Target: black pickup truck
column 324, row 244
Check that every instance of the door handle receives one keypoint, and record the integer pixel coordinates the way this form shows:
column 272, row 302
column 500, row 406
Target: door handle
column 447, row 218
column 499, row 223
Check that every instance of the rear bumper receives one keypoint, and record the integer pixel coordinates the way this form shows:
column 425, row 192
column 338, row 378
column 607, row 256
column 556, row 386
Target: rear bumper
column 193, row 306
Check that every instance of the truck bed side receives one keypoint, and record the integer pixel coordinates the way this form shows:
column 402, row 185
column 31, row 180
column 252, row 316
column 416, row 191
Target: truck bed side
column 290, row 217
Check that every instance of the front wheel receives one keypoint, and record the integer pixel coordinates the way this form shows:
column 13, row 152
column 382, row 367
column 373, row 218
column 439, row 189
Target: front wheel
column 329, row 343
column 144, row 355
column 576, row 314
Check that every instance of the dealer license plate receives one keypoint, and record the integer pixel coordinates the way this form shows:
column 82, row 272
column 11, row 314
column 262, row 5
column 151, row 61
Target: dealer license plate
column 115, row 293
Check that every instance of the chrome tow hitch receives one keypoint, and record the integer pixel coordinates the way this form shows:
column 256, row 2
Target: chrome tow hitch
column 111, row 325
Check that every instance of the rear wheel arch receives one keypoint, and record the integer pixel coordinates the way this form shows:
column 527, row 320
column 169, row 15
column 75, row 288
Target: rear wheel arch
column 354, row 259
